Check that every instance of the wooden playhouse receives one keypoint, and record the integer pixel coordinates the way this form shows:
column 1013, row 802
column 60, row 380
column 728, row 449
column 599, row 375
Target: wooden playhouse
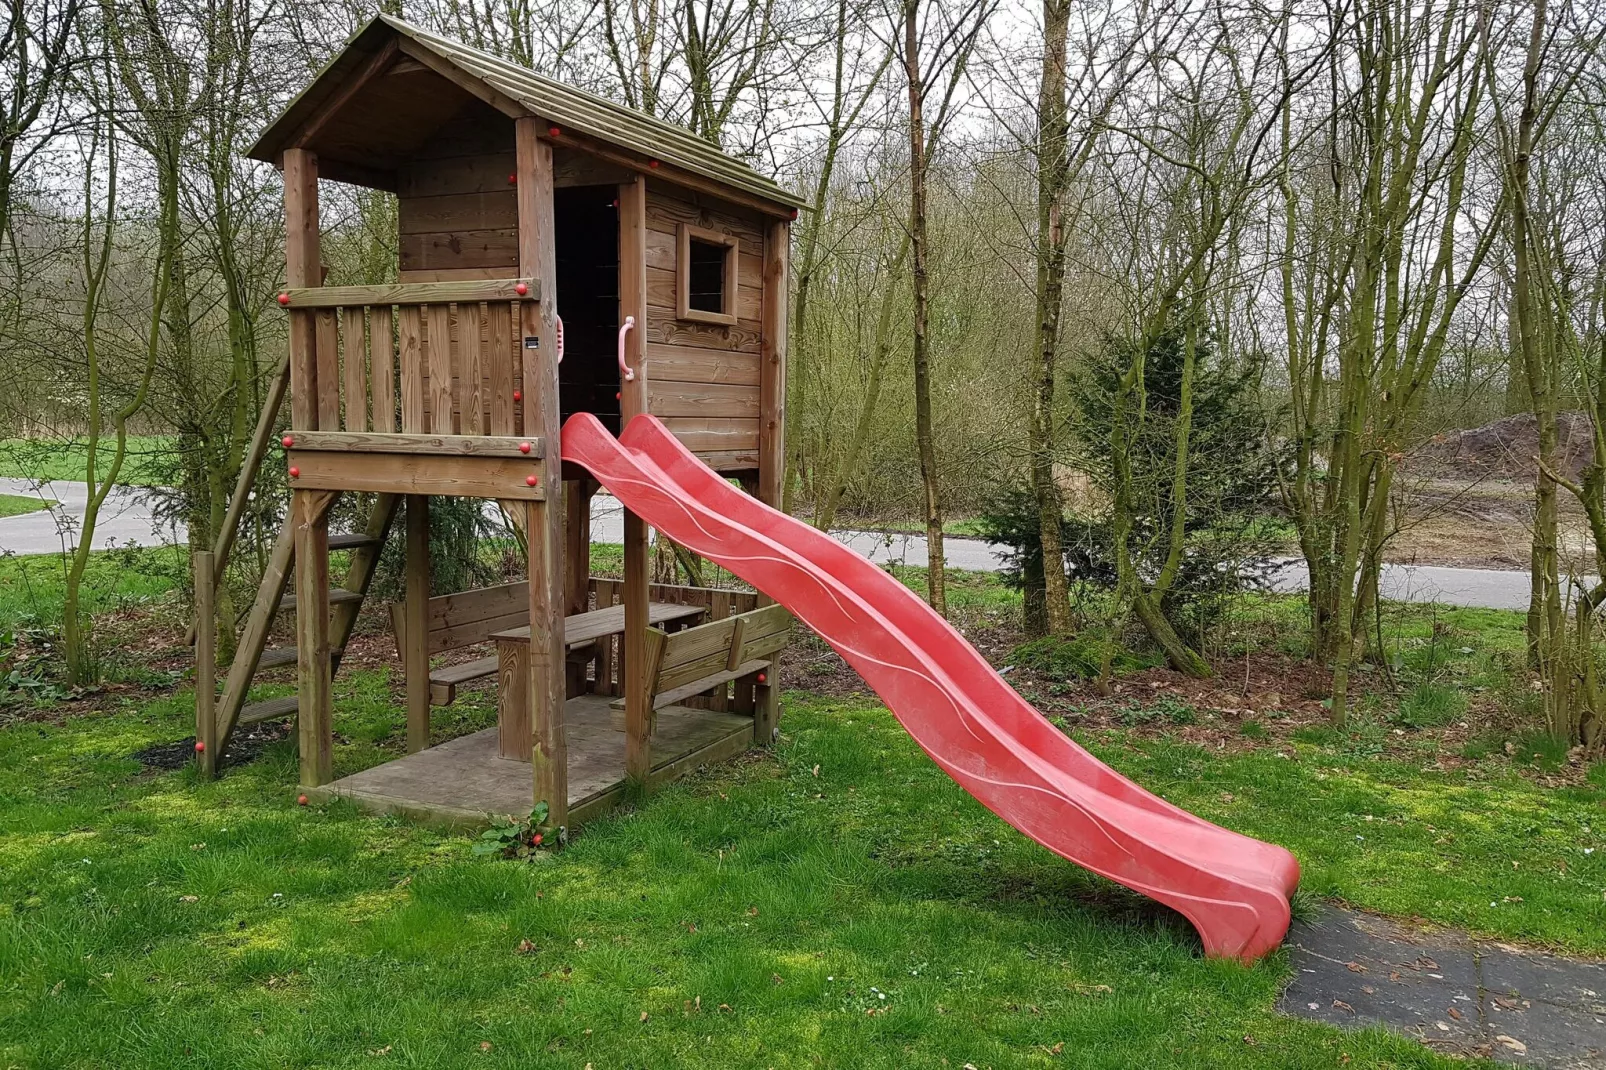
column 531, row 216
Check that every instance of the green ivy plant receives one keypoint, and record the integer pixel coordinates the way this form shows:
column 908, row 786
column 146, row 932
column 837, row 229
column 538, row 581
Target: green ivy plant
column 521, row 839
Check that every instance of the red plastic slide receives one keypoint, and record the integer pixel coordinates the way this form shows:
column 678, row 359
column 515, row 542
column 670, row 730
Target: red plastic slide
column 1233, row 889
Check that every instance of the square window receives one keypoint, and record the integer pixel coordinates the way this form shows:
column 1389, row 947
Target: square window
column 706, row 286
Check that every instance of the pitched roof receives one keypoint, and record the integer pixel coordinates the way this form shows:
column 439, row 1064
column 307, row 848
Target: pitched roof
column 573, row 109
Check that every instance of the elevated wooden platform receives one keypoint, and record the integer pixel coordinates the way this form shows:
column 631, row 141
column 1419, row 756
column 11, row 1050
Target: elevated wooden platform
column 464, row 784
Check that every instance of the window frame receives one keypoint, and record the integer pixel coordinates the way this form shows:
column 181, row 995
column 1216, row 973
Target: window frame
column 727, row 316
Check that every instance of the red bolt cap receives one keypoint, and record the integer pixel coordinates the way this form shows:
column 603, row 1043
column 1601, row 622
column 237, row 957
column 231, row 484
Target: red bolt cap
column 536, row 839
column 762, row 677
column 616, row 202
column 617, row 395
column 521, row 289
column 553, row 131
column 531, row 480
column 294, row 472
column 524, row 447
column 301, row 800
column 200, row 746
column 512, row 180
column 284, row 299
column 794, row 213
column 287, row 441
column 517, row 396
column 653, row 164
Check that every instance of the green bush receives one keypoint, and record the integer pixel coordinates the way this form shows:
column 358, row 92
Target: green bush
column 1430, row 705
column 1078, row 657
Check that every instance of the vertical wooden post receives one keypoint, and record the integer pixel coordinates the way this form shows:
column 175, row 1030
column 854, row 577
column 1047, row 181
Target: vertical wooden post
column 303, row 256
column 205, row 664
column 415, row 657
column 577, row 553
column 772, row 367
column 633, row 402
column 772, row 435
column 315, row 719
column 544, row 528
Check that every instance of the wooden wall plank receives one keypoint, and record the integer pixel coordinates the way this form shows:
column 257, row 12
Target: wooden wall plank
column 703, row 400
column 663, row 292
column 460, row 249
column 410, row 357
column 499, row 368
column 382, row 367
column 503, row 288
column 712, row 436
column 470, row 328
column 327, row 333
column 482, row 173
column 355, row 367
column 438, row 346
column 490, row 210
column 697, row 364
column 745, row 337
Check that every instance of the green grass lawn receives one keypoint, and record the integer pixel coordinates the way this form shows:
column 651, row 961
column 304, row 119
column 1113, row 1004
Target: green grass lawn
column 18, row 504
column 835, row 902
column 55, row 458
column 32, row 586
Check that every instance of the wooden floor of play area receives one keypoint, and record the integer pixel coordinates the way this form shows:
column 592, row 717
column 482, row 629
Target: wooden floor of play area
column 464, row 780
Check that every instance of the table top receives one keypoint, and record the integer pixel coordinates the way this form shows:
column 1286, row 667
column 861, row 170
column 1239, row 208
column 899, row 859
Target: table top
column 585, row 627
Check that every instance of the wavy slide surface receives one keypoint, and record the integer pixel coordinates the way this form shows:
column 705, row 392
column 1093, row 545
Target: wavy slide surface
column 1234, row 889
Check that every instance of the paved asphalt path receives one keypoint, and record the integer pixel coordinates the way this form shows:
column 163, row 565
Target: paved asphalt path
column 127, row 519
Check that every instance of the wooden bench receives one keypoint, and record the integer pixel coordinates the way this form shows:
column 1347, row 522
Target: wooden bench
column 467, row 618
column 695, row 661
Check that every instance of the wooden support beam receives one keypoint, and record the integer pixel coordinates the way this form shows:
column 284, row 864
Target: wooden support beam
column 303, row 260
column 419, row 473
column 349, row 89
column 414, row 293
column 415, row 656
column 633, row 402
column 772, row 367
column 543, row 521
column 206, row 737
column 253, row 637
column 512, row 446
column 315, row 712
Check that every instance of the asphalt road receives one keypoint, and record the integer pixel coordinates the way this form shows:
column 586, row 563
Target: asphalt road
column 126, row 519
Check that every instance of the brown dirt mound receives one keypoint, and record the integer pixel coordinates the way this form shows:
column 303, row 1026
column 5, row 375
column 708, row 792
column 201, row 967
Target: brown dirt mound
column 1504, row 449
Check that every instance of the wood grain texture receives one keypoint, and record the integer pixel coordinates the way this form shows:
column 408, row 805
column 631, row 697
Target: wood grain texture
column 315, row 714
column 439, row 365
column 702, row 435
column 382, row 368
column 327, row 335
column 410, row 359
column 772, row 368
column 537, row 256
column 471, row 369
column 745, row 337
column 354, row 367
column 419, row 473
column 495, row 209
column 415, row 652
column 206, row 736
column 663, row 292
column 302, row 260
column 453, row 445
column 459, row 249
column 500, row 360
column 695, row 364
column 482, row 173
column 708, row 401
column 408, row 293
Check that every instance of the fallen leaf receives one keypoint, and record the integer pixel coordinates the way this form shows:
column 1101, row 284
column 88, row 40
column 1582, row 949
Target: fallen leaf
column 1368, row 989
column 752, row 912
column 1513, row 1043
column 776, row 978
column 1454, row 1013
column 485, row 1045
column 1354, row 967
column 1505, row 1004
column 1345, row 1007
column 724, row 1006
column 1426, row 963
column 1394, row 975
column 1057, row 1049
column 525, row 948
column 816, row 770
column 644, row 1016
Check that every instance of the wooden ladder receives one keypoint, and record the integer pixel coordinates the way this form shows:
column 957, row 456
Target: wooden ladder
column 252, row 653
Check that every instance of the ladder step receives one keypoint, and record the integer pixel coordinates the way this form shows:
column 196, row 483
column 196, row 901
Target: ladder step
column 267, row 711
column 336, row 596
column 273, row 657
column 351, row 541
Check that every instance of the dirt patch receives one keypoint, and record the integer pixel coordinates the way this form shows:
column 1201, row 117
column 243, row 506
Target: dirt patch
column 247, row 746
column 1505, row 449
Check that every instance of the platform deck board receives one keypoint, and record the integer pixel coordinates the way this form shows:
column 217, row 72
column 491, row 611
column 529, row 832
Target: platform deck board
column 463, row 780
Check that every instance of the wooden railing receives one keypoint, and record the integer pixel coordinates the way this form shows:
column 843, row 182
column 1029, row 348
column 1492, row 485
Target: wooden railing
column 422, row 358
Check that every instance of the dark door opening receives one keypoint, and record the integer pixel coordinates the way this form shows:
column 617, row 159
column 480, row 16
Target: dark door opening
column 587, row 294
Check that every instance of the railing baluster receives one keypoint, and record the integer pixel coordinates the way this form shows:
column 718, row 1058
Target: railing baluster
column 356, row 368
column 438, row 343
column 382, row 367
column 410, row 323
